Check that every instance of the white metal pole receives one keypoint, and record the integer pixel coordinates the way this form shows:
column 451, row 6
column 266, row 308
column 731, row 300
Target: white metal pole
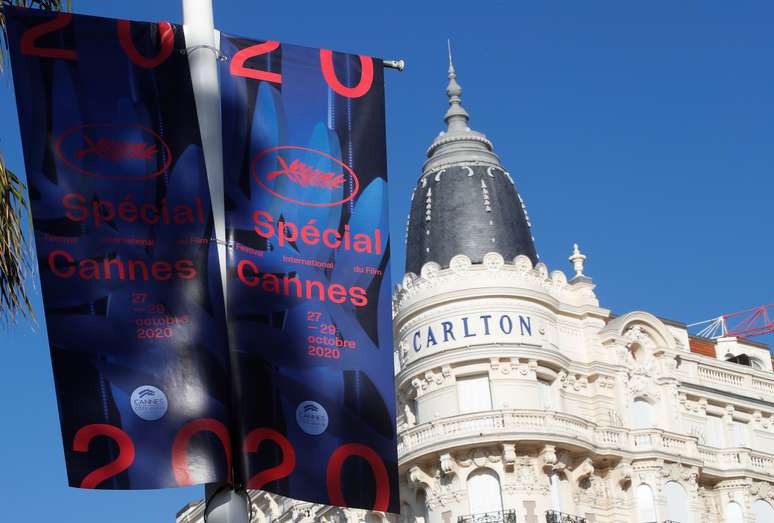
column 202, row 57
column 223, row 504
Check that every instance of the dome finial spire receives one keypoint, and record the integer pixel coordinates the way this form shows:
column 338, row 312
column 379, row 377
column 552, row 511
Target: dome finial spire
column 451, row 64
column 456, row 117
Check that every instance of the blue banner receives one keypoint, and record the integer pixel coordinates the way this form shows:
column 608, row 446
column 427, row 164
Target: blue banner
column 309, row 311
column 121, row 213
column 288, row 387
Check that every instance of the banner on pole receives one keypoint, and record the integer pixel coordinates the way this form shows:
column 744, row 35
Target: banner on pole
column 121, row 214
column 309, row 311
column 292, row 390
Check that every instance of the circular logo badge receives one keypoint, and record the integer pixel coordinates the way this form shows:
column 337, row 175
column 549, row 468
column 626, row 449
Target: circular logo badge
column 312, row 417
column 149, row 403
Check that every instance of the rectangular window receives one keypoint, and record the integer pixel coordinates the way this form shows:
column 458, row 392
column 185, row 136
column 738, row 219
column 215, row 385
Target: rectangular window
column 473, row 394
column 740, row 434
column 714, row 435
column 546, row 395
column 556, row 493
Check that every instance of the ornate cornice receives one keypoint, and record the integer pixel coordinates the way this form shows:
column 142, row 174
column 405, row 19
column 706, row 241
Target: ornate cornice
column 518, row 276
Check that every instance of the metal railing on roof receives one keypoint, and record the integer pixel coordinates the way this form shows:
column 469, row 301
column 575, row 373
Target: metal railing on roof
column 554, row 516
column 503, row 516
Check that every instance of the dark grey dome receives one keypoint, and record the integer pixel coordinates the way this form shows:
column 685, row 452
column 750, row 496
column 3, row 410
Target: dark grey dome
column 469, row 210
column 465, row 202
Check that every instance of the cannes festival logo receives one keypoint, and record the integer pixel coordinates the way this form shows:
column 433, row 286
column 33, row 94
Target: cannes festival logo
column 305, row 176
column 312, row 417
column 114, row 151
column 149, row 402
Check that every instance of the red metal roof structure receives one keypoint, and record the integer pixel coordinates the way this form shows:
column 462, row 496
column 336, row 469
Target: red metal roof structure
column 743, row 324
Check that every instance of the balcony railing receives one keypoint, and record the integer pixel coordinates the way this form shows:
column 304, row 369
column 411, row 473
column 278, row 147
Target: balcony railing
column 504, row 516
column 554, row 516
column 714, row 373
column 556, row 426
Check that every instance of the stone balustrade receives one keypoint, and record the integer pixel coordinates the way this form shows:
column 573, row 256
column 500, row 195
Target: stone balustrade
column 732, row 377
column 550, row 426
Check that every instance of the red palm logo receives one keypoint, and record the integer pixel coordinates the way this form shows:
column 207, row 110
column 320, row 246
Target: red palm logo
column 306, row 175
column 316, row 177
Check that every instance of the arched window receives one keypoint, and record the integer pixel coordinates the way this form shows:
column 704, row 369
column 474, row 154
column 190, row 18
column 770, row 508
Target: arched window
column 734, row 513
column 484, row 492
column 741, row 359
column 638, row 352
column 764, row 512
column 646, row 507
column 677, row 503
column 642, row 414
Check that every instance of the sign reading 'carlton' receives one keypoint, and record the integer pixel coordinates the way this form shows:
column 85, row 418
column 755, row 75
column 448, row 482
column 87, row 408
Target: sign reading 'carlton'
column 460, row 331
column 292, row 392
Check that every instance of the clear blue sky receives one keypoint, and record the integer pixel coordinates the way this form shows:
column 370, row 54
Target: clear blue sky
column 641, row 130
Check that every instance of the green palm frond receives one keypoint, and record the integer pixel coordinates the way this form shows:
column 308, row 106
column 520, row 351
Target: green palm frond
column 15, row 250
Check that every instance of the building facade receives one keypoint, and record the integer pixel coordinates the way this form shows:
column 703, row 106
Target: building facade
column 522, row 399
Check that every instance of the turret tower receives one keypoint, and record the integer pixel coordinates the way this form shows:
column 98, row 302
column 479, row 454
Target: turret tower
column 465, row 202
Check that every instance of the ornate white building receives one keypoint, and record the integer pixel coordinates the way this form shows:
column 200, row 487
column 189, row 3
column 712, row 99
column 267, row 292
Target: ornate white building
column 521, row 399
